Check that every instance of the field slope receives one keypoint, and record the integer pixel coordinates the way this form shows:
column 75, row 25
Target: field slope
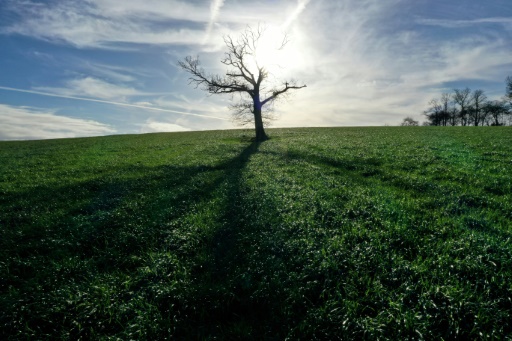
column 330, row 233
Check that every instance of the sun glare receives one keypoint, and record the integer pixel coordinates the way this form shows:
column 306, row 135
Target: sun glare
column 276, row 50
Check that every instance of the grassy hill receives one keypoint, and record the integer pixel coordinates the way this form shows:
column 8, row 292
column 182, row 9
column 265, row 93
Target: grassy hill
column 353, row 233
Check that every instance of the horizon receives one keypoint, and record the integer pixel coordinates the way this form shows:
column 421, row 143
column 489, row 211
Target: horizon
column 248, row 130
column 95, row 68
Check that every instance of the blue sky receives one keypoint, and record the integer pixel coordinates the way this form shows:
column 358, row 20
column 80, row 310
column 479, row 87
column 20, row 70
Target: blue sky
column 98, row 67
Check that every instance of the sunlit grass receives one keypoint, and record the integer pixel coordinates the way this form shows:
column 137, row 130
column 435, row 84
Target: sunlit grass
column 376, row 233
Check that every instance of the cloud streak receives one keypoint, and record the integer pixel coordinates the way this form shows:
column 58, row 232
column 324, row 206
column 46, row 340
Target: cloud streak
column 25, row 123
column 301, row 6
column 366, row 62
column 152, row 126
column 112, row 103
column 92, row 87
column 367, row 68
column 103, row 24
column 215, row 7
column 109, row 24
column 447, row 23
column 114, row 25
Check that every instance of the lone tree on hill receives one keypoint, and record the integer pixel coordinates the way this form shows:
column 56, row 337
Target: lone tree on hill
column 245, row 76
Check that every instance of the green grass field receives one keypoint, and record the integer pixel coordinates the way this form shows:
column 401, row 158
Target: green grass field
column 330, row 233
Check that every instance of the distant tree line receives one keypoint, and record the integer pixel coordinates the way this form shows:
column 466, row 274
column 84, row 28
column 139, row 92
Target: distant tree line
column 465, row 107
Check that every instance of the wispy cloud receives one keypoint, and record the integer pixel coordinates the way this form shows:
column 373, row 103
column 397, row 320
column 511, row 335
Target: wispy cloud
column 301, row 6
column 26, row 123
column 92, row 87
column 363, row 60
column 364, row 67
column 103, row 24
column 111, row 24
column 454, row 23
column 215, row 7
column 114, row 73
column 152, row 126
column 112, row 103
column 150, row 10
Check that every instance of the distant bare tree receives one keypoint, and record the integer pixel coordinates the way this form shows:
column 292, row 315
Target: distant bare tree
column 244, row 77
column 449, row 110
column 495, row 112
column 477, row 115
column 441, row 111
column 465, row 108
column 433, row 113
column 409, row 122
column 508, row 94
column 462, row 99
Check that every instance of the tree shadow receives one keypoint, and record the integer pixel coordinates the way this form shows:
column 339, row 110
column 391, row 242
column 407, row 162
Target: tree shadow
column 63, row 239
column 172, row 245
column 368, row 172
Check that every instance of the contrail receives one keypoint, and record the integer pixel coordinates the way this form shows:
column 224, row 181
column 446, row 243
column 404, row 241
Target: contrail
column 109, row 102
column 215, row 7
column 301, row 6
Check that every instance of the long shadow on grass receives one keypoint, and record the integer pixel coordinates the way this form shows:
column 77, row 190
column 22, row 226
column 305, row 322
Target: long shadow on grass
column 167, row 251
column 391, row 273
column 368, row 172
column 124, row 238
column 222, row 306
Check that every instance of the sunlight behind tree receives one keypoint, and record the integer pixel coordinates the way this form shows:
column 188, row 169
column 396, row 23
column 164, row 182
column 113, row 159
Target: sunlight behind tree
column 271, row 49
column 246, row 76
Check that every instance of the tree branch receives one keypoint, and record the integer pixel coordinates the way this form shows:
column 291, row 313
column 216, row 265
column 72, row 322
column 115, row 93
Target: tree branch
column 212, row 84
column 277, row 93
column 237, row 53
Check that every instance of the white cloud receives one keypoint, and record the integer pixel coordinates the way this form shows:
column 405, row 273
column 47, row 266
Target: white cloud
column 461, row 60
column 215, row 7
column 109, row 23
column 301, row 6
column 143, row 104
column 150, row 9
column 138, row 105
column 103, row 24
column 455, row 23
column 364, row 61
column 206, row 105
column 151, row 126
column 110, row 72
column 94, row 88
column 25, row 123
column 363, row 67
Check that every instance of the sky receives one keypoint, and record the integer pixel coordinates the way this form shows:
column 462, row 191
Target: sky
column 71, row 68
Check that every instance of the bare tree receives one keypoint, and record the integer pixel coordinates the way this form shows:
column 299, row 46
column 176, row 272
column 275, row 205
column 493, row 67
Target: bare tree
column 433, row 113
column 508, row 94
column 441, row 111
column 465, row 107
column 477, row 115
column 449, row 115
column 244, row 77
column 409, row 122
column 495, row 112
column 462, row 98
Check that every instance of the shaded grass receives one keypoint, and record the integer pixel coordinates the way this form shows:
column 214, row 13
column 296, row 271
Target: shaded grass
column 332, row 233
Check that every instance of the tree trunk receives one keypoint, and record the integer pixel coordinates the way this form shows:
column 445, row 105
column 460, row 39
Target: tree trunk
column 258, row 120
